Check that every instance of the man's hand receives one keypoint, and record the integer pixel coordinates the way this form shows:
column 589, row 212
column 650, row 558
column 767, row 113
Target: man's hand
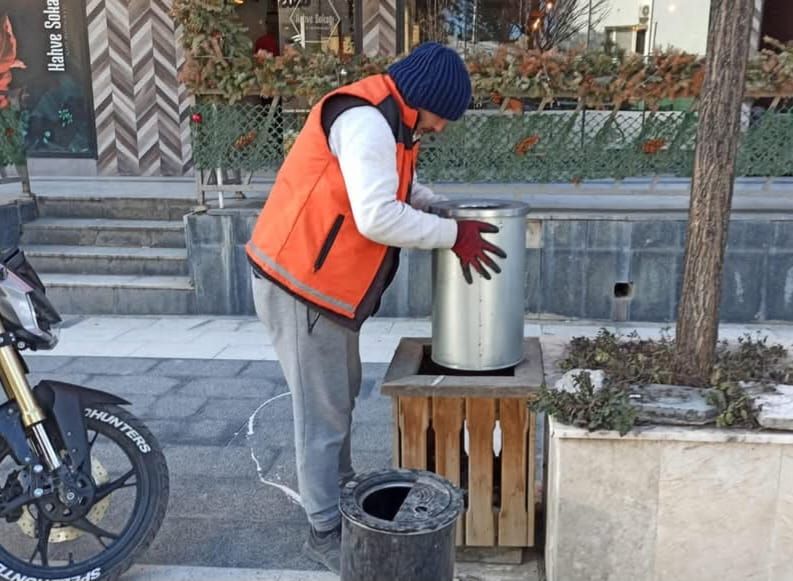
column 470, row 248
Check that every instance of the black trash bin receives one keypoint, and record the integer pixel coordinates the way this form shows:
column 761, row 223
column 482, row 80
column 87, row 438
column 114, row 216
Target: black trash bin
column 399, row 525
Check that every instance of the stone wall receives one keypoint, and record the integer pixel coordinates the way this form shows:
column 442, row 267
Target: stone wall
column 12, row 216
column 591, row 266
column 218, row 265
column 668, row 503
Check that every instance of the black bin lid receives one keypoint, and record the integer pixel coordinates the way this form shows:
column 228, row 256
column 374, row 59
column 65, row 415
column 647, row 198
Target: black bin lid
column 401, row 501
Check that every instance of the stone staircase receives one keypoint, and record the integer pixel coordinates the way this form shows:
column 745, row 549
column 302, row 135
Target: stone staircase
column 112, row 255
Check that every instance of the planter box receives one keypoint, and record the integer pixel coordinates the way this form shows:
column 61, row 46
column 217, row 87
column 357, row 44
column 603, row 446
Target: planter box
column 669, row 504
column 475, row 430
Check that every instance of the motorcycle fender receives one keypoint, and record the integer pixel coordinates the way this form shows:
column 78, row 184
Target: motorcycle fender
column 13, row 433
column 65, row 403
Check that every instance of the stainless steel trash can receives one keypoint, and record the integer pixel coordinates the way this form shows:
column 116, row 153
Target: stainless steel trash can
column 479, row 327
column 399, row 525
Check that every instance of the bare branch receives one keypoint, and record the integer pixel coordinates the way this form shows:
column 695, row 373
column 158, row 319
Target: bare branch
column 569, row 18
column 542, row 24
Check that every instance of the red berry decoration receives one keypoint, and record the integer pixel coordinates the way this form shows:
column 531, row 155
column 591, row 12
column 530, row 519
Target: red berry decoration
column 197, row 118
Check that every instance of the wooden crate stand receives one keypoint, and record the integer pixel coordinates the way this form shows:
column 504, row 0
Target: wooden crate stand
column 432, row 414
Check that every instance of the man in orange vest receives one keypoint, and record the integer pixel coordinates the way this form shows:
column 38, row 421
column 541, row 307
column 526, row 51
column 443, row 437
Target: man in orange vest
column 326, row 246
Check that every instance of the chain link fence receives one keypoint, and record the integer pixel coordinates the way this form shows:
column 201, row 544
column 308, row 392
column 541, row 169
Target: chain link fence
column 491, row 146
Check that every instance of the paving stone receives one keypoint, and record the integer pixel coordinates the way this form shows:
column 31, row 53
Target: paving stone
column 371, row 437
column 202, row 460
column 135, row 385
column 162, row 430
column 231, row 543
column 109, row 365
column 75, row 378
column 262, row 369
column 141, row 405
column 217, row 495
column 229, row 409
column 175, row 406
column 45, row 364
column 199, row 367
column 200, row 432
column 233, row 387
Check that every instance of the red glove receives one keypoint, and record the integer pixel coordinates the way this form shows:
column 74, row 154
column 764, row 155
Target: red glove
column 470, row 248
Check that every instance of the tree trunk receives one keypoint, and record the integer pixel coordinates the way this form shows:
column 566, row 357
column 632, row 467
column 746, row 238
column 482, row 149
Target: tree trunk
column 712, row 186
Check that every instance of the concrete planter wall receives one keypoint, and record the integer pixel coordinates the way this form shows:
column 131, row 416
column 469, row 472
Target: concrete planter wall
column 584, row 252
column 218, row 264
column 12, row 216
column 669, row 504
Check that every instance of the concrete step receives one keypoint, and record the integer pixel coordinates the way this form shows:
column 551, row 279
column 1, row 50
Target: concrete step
column 120, row 295
column 107, row 260
column 104, row 232
column 114, row 208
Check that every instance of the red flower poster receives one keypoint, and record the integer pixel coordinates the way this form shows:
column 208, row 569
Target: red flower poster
column 44, row 71
column 8, row 59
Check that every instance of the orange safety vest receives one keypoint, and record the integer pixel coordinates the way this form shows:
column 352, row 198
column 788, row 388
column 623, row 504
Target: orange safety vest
column 305, row 239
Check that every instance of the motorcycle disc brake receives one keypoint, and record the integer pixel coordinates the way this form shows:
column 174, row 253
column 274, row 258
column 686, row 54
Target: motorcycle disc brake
column 63, row 534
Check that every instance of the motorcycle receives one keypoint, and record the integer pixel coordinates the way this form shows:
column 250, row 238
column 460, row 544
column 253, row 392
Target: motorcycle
column 83, row 483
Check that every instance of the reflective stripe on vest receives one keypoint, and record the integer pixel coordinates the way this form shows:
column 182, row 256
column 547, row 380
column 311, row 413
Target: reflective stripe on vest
column 294, row 281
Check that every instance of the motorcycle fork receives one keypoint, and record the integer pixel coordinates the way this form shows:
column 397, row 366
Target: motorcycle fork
column 16, row 385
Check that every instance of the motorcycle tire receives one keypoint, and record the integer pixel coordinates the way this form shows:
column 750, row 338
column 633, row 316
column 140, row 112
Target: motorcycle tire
column 152, row 481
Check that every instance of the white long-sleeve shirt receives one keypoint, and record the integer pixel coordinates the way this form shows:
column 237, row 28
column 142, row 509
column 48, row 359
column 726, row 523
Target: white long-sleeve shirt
column 362, row 141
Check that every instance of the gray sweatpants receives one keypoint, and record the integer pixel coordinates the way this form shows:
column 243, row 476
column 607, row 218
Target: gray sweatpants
column 322, row 365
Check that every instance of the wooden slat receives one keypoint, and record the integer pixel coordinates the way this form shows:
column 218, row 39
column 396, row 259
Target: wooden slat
column 513, row 516
column 532, row 461
column 447, row 422
column 414, row 415
column 396, row 459
column 480, row 530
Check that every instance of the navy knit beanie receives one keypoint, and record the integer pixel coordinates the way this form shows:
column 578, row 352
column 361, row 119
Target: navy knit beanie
column 435, row 78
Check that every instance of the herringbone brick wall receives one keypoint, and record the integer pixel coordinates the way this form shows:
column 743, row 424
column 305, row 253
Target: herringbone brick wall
column 141, row 109
column 379, row 27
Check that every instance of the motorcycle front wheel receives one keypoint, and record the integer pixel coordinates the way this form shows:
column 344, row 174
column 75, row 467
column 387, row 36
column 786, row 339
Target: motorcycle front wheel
column 42, row 541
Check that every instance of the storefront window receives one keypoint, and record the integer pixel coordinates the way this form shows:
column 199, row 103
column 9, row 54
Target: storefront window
column 487, row 24
column 323, row 25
